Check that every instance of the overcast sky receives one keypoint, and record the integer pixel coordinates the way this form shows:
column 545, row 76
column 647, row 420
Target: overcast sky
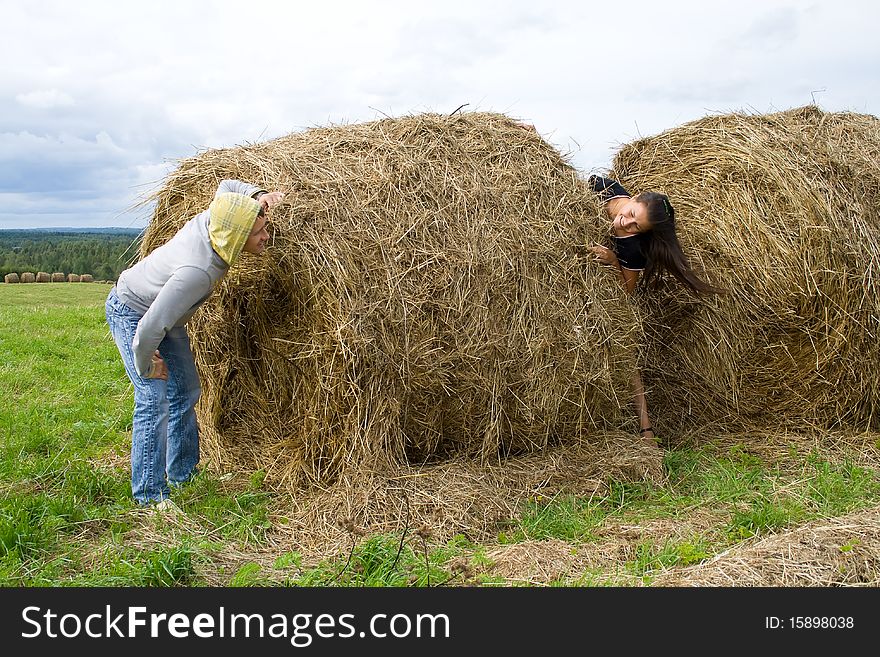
column 100, row 98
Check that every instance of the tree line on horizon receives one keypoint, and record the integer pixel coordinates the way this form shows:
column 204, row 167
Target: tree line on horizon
column 103, row 255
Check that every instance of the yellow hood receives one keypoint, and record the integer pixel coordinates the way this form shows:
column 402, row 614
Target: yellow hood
column 231, row 222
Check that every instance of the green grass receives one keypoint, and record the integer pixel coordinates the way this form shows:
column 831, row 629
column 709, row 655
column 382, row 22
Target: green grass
column 67, row 518
column 568, row 518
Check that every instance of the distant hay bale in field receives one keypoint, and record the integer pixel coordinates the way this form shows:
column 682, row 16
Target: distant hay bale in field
column 28, row 277
column 11, row 278
column 58, row 277
column 43, row 277
column 783, row 210
column 86, row 278
column 73, row 278
column 425, row 296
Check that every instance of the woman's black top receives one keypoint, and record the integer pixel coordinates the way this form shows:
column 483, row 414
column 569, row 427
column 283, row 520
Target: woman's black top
column 630, row 251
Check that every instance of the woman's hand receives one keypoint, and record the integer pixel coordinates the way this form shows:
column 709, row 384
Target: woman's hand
column 271, row 199
column 605, row 255
column 158, row 370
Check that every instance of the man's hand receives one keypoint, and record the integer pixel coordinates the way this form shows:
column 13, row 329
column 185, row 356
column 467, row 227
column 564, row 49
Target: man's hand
column 271, row 199
column 158, row 369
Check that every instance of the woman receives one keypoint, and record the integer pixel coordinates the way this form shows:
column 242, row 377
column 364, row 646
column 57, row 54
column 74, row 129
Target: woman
column 147, row 311
column 644, row 244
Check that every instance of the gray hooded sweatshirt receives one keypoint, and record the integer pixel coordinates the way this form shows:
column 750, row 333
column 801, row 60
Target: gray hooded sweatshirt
column 174, row 280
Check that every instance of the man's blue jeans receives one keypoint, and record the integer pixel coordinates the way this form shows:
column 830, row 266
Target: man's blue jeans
column 165, row 433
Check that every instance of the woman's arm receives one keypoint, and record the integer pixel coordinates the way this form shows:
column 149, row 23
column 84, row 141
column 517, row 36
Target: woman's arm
column 628, row 277
column 606, row 188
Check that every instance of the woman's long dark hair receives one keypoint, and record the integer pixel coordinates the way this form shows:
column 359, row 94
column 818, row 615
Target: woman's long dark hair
column 662, row 248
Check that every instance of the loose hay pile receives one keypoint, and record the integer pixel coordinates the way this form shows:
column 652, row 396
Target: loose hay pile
column 842, row 551
column 425, row 297
column 783, row 210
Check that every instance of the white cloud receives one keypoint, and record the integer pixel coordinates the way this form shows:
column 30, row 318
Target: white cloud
column 110, row 93
column 45, row 99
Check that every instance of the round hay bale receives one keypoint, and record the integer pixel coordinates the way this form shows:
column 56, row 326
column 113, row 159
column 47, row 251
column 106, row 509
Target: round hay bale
column 426, row 295
column 73, row 278
column 782, row 210
column 58, row 277
column 86, row 278
column 43, row 277
column 28, row 277
column 11, row 278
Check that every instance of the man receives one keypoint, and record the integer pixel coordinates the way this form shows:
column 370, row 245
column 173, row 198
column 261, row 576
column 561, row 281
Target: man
column 147, row 311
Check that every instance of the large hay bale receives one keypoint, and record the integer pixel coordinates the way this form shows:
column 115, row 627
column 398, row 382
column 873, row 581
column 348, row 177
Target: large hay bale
column 781, row 210
column 425, row 295
column 11, row 278
column 28, row 277
column 86, row 278
column 58, row 277
column 43, row 277
column 73, row 278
